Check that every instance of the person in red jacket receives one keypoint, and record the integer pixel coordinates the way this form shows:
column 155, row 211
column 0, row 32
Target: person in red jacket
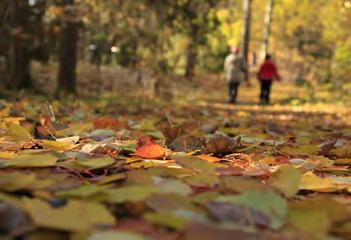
column 266, row 75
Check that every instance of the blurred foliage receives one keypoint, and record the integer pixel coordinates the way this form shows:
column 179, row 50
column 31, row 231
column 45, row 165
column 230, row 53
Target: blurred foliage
column 162, row 35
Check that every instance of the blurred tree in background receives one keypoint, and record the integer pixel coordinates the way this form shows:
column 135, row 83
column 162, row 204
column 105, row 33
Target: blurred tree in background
column 311, row 38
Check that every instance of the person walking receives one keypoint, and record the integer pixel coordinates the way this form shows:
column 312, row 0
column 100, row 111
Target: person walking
column 234, row 68
column 267, row 73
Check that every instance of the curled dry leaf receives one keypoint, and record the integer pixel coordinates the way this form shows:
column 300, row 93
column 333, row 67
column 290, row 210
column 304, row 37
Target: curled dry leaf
column 148, row 149
column 221, row 144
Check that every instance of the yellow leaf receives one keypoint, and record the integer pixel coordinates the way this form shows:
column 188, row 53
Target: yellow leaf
column 302, row 150
column 286, row 180
column 30, row 160
column 16, row 132
column 310, row 181
column 75, row 216
column 15, row 181
column 346, row 161
column 112, row 178
column 7, row 155
column 209, row 158
column 56, row 145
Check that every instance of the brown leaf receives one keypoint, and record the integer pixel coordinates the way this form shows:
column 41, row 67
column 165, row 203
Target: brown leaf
column 186, row 143
column 221, row 144
column 211, row 232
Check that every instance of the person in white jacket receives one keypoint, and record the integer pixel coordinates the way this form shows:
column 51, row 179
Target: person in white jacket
column 234, row 68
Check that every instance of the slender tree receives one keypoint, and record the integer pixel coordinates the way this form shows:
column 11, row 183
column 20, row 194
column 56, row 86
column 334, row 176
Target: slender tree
column 18, row 52
column 267, row 27
column 68, row 48
column 246, row 34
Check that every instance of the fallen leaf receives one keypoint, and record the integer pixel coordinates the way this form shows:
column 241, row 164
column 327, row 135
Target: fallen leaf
column 209, row 158
column 89, row 164
column 301, row 150
column 13, row 181
column 171, row 186
column 267, row 202
column 146, row 148
column 185, row 143
column 343, row 152
column 30, row 160
column 313, row 217
column 105, row 123
column 238, row 214
column 242, row 184
column 129, row 193
column 116, row 235
column 16, row 132
column 221, row 144
column 195, row 164
column 310, row 181
column 56, row 145
column 166, row 219
column 346, row 161
column 286, row 179
column 12, row 218
column 203, row 180
column 75, row 216
column 198, row 231
column 85, row 191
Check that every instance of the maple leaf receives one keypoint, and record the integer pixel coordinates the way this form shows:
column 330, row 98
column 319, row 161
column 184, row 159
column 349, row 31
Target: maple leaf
column 147, row 148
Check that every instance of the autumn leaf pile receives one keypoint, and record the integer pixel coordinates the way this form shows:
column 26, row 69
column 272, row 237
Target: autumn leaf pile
column 129, row 171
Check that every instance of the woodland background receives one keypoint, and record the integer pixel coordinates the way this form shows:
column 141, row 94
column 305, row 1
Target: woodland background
column 89, row 47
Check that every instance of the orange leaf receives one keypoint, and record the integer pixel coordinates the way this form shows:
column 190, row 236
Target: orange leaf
column 146, row 148
column 208, row 158
column 105, row 123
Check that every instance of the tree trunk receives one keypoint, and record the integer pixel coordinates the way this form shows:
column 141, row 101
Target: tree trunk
column 267, row 27
column 246, row 35
column 190, row 60
column 68, row 55
column 18, row 52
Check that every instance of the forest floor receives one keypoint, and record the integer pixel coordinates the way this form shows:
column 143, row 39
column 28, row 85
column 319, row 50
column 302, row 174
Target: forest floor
column 191, row 167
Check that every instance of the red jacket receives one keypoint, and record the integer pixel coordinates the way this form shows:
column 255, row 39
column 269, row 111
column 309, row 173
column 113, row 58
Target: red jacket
column 268, row 71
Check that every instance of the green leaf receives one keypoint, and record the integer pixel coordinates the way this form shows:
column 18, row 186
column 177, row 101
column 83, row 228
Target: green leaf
column 166, row 219
column 96, row 163
column 129, row 194
column 89, row 164
column 203, row 180
column 267, row 202
column 84, row 191
column 242, row 184
column 75, row 216
column 205, row 197
column 172, row 186
column 30, row 160
column 195, row 164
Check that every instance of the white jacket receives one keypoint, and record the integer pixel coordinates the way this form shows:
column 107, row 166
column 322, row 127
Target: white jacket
column 234, row 68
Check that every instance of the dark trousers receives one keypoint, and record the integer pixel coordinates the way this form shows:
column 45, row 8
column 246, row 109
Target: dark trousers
column 233, row 91
column 266, row 86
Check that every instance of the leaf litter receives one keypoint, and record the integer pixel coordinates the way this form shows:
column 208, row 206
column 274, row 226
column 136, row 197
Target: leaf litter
column 169, row 173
